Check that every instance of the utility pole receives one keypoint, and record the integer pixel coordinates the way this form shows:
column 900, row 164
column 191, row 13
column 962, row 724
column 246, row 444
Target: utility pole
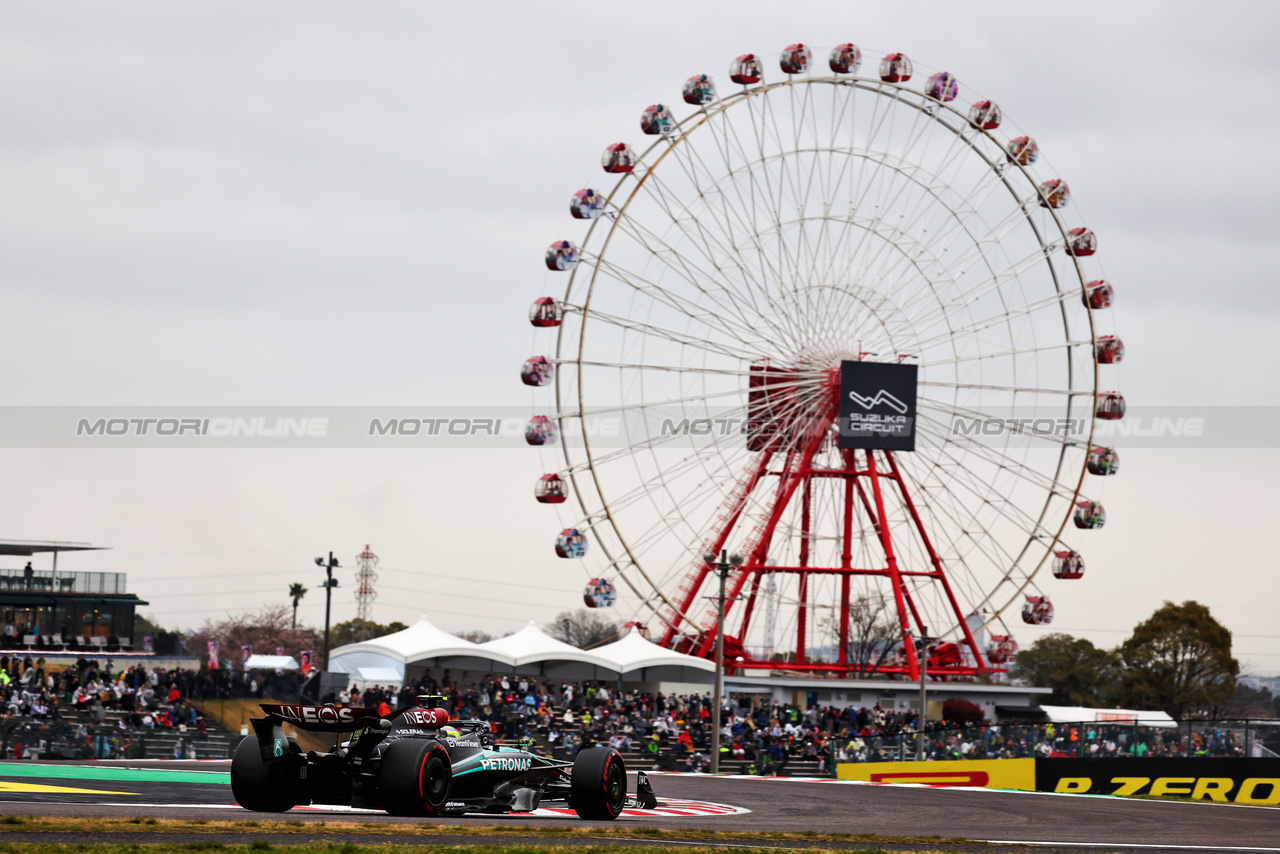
column 722, row 567
column 923, row 658
column 328, row 584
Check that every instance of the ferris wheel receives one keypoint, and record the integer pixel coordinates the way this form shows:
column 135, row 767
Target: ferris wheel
column 803, row 228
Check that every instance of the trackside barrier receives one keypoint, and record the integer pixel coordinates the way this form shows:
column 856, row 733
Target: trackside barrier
column 984, row 773
column 1238, row 781
column 1254, row 782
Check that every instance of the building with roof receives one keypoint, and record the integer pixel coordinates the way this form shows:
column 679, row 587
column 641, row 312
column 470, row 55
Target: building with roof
column 56, row 611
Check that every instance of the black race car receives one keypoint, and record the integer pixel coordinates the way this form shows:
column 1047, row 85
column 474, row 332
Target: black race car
column 417, row 762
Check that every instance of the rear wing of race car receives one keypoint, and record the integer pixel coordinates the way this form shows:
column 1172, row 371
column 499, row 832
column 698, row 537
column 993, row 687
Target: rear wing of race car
column 274, row 743
column 336, row 719
column 323, row 718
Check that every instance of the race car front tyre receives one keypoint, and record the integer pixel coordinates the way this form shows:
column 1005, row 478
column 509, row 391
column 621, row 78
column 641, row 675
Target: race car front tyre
column 252, row 783
column 415, row 777
column 599, row 784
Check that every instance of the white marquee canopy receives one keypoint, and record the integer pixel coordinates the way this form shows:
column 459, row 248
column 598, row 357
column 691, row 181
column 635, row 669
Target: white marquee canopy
column 529, row 651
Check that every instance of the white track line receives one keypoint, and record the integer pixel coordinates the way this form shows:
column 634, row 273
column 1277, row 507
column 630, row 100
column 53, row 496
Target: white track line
column 1143, row 845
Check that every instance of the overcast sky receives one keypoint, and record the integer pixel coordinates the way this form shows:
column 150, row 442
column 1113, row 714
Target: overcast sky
column 330, row 203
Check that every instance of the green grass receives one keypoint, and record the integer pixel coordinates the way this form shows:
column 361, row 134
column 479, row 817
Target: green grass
column 162, row 826
column 348, row 848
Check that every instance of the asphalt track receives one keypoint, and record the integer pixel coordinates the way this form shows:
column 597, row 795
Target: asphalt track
column 1066, row 823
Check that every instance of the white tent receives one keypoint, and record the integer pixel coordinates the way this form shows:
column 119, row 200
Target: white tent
column 534, row 652
column 270, row 662
column 1083, row 714
column 529, row 651
column 421, row 644
column 639, row 660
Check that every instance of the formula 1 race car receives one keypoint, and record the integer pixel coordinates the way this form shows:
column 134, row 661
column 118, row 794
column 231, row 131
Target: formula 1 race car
column 417, row 762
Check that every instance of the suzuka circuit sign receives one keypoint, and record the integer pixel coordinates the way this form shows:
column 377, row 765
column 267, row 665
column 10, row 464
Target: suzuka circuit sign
column 877, row 406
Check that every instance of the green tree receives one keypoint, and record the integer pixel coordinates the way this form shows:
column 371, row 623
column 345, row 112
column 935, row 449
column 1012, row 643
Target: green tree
column 1079, row 673
column 296, row 592
column 357, row 630
column 1250, row 702
column 1179, row 660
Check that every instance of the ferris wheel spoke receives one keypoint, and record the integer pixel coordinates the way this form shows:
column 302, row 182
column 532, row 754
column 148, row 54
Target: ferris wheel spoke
column 953, row 471
column 762, row 300
column 960, row 570
column 988, row 455
column 913, row 253
column 693, row 275
column 1041, row 480
column 918, row 179
column 1052, row 301
column 1057, row 345
column 990, row 387
column 971, row 198
column 698, row 342
column 672, row 301
column 733, row 209
column 993, row 282
column 662, row 194
column 676, row 369
column 772, row 196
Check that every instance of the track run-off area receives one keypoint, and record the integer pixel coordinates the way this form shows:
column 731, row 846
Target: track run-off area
column 950, row 819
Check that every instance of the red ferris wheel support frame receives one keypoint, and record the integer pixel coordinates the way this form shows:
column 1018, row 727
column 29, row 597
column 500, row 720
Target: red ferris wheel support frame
column 869, row 478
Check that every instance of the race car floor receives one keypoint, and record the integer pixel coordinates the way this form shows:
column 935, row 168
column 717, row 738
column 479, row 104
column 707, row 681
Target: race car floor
column 1065, row 823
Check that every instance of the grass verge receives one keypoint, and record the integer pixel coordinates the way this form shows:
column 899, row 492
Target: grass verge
column 348, row 848
column 73, row 824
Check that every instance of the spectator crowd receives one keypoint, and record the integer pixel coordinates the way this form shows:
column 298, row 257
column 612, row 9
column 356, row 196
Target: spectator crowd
column 763, row 736
column 41, row 705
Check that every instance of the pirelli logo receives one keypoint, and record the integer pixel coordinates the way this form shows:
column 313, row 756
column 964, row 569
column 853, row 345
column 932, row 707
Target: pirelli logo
column 982, row 773
column 1256, row 791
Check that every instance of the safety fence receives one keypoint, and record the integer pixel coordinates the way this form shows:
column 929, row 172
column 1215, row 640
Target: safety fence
column 33, row 739
column 1081, row 740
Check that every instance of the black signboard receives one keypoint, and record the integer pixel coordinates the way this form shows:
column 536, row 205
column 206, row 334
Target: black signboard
column 1226, row 780
column 877, row 406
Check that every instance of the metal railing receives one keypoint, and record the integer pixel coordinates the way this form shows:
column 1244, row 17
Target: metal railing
column 1084, row 739
column 28, row 738
column 67, row 582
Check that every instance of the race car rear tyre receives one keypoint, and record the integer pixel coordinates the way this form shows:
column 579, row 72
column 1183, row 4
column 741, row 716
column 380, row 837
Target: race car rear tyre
column 599, row 784
column 415, row 777
column 252, row 783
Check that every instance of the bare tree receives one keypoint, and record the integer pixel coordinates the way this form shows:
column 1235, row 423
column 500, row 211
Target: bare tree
column 873, row 633
column 583, row 628
column 264, row 631
column 476, row 636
